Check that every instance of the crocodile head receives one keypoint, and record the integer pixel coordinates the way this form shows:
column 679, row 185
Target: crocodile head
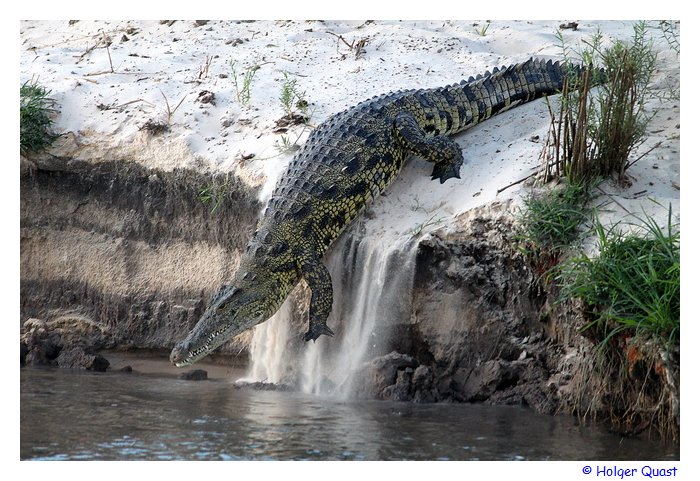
column 251, row 299
column 232, row 310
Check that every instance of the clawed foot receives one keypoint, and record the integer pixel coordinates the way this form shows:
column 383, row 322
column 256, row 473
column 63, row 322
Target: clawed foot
column 317, row 331
column 445, row 172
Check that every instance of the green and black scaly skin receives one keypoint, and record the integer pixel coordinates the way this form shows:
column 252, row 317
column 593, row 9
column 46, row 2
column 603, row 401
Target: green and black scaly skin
column 346, row 161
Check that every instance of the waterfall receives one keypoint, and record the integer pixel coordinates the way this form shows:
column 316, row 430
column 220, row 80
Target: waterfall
column 372, row 286
column 269, row 341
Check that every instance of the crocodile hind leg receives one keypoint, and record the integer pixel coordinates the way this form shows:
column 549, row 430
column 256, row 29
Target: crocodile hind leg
column 439, row 149
column 319, row 281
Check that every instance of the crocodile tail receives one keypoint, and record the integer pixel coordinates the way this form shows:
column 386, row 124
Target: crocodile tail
column 576, row 73
column 484, row 96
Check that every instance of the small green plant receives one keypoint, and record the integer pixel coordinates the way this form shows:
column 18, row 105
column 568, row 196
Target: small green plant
column 295, row 108
column 285, row 145
column 669, row 29
column 291, row 98
column 161, row 124
column 482, row 28
column 551, row 221
column 35, row 111
column 419, row 228
column 595, row 132
column 243, row 93
column 633, row 285
column 214, row 193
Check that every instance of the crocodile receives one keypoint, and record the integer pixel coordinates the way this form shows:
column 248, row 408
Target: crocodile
column 346, row 161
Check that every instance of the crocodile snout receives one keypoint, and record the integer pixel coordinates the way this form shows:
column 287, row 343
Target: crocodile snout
column 180, row 352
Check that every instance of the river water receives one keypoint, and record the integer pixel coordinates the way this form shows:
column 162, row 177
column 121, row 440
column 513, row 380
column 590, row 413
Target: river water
column 77, row 415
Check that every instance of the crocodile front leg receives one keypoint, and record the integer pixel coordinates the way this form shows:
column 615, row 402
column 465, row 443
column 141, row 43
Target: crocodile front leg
column 319, row 281
column 440, row 149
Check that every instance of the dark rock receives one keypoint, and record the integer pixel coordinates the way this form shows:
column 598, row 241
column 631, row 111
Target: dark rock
column 80, row 358
column 37, row 357
column 381, row 373
column 488, row 378
column 126, row 369
column 23, row 351
column 194, row 375
column 41, row 351
column 569, row 25
column 424, row 391
column 99, row 363
column 66, row 330
column 423, row 377
column 459, row 378
column 530, row 389
column 401, row 391
column 50, row 349
column 383, row 370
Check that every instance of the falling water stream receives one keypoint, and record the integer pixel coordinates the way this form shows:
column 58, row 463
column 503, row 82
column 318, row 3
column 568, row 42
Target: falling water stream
column 373, row 282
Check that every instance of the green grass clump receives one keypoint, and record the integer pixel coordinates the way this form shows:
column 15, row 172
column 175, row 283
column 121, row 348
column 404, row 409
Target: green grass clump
column 35, row 110
column 633, row 285
column 550, row 222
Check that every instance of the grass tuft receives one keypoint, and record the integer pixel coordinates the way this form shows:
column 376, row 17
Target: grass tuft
column 418, row 229
column 35, row 111
column 481, row 29
column 296, row 112
column 670, row 31
column 632, row 286
column 551, row 222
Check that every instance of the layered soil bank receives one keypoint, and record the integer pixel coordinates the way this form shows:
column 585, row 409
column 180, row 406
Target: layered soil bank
column 129, row 250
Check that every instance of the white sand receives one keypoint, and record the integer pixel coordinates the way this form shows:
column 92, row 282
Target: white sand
column 156, row 61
